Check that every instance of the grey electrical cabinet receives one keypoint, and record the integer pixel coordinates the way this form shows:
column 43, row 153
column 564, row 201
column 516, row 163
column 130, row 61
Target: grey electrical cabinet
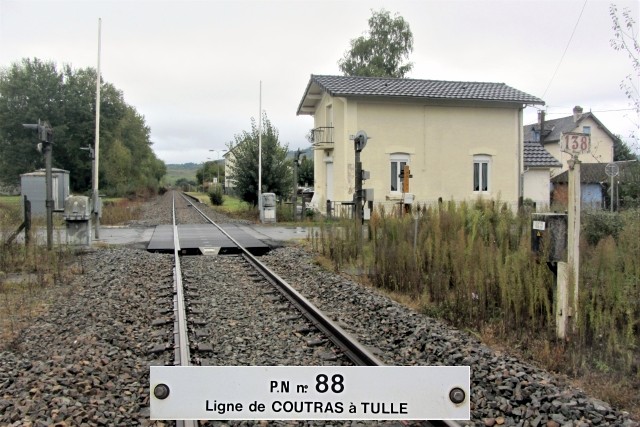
column 33, row 185
column 268, row 207
column 549, row 234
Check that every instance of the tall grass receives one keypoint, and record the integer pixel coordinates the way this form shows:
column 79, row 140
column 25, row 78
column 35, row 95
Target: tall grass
column 120, row 211
column 26, row 272
column 471, row 264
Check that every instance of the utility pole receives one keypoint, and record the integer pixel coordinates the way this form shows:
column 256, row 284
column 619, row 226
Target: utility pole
column 45, row 136
column 96, row 147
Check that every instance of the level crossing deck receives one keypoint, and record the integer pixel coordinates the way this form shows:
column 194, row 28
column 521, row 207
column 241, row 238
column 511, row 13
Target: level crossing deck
column 205, row 239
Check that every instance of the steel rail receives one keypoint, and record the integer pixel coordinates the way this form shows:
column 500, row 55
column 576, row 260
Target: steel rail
column 355, row 351
column 181, row 339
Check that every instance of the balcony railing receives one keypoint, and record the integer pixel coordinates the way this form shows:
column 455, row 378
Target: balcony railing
column 322, row 137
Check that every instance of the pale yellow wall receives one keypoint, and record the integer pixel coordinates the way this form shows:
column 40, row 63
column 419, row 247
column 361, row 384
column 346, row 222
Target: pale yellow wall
column 229, row 160
column 536, row 187
column 440, row 140
column 601, row 147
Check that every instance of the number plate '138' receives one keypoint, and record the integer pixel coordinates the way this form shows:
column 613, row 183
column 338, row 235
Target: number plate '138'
column 575, row 143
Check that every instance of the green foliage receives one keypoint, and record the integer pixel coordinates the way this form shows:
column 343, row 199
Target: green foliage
column 33, row 89
column 305, row 172
column 600, row 224
column 185, row 184
column 472, row 264
column 382, row 51
column 276, row 169
column 629, row 186
column 216, row 196
column 621, row 151
column 609, row 319
column 209, row 171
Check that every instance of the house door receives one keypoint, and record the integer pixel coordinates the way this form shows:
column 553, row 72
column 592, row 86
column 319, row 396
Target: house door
column 328, row 191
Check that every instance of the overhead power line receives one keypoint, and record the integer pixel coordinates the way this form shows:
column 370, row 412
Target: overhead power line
column 565, row 49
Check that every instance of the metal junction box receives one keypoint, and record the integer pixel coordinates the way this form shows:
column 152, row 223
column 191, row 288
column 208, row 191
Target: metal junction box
column 77, row 214
column 77, row 208
column 549, row 230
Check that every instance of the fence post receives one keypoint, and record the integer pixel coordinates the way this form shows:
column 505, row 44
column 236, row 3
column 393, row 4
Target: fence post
column 27, row 221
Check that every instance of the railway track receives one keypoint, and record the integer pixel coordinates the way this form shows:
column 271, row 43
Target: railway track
column 243, row 281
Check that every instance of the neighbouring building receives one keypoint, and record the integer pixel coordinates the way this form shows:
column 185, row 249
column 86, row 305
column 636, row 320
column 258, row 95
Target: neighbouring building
column 538, row 163
column 548, row 133
column 596, row 189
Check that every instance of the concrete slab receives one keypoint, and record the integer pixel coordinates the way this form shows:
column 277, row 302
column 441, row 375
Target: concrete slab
column 268, row 235
column 193, row 237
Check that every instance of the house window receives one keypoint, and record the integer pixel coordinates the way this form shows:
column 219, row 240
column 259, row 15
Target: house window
column 398, row 161
column 481, row 172
column 586, row 129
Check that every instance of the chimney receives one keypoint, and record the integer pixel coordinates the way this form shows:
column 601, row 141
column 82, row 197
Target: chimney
column 541, row 124
column 577, row 113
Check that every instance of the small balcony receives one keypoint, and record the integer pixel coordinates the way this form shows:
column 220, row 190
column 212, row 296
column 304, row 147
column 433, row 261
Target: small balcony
column 322, row 138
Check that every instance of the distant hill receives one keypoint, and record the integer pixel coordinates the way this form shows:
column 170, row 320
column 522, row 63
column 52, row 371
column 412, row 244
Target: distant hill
column 307, row 152
column 177, row 171
column 188, row 170
column 188, row 166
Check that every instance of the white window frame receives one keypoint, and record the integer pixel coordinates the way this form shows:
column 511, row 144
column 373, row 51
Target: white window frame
column 397, row 160
column 481, row 173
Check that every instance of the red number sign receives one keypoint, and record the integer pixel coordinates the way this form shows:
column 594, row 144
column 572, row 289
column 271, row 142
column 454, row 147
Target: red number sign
column 575, row 143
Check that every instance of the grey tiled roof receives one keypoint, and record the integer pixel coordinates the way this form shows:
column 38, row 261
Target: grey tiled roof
column 553, row 129
column 385, row 86
column 591, row 173
column 535, row 155
column 412, row 88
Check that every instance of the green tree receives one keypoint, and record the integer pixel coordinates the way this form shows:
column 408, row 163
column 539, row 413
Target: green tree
column 381, row 52
column 29, row 91
column 32, row 89
column 305, row 171
column 621, row 151
column 206, row 173
column 243, row 169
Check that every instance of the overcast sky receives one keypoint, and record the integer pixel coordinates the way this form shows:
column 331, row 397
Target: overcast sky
column 193, row 68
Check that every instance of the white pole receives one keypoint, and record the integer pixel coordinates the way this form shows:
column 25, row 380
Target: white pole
column 260, row 156
column 96, row 148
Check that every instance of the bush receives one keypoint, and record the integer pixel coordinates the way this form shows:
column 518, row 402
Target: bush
column 600, row 224
column 216, row 197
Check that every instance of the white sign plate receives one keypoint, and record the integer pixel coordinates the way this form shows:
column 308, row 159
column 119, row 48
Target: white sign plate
column 539, row 225
column 310, row 392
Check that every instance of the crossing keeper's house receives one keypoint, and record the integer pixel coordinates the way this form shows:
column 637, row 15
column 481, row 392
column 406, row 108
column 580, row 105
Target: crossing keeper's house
column 462, row 140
